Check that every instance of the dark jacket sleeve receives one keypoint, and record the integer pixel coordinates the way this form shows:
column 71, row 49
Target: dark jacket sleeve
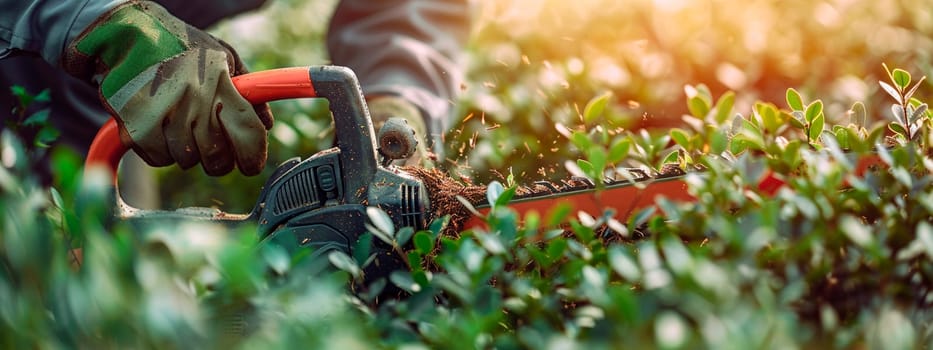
column 408, row 48
column 46, row 27
column 203, row 14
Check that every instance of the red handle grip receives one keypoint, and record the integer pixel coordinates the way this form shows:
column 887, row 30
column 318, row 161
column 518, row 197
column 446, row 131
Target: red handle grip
column 260, row 87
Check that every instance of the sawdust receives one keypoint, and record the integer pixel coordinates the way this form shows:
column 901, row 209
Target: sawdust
column 443, row 192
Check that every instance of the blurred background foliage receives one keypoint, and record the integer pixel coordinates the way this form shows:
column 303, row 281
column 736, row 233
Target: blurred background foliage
column 812, row 266
column 533, row 64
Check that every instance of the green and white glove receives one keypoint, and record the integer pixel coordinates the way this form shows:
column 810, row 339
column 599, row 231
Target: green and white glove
column 168, row 84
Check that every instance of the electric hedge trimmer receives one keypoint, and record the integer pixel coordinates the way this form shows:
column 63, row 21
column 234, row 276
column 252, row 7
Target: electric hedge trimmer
column 320, row 202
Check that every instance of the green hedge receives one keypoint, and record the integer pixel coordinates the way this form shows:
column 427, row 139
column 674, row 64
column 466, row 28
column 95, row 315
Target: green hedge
column 836, row 258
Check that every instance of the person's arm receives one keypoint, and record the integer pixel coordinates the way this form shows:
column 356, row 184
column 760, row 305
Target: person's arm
column 205, row 13
column 167, row 84
column 405, row 48
column 46, row 27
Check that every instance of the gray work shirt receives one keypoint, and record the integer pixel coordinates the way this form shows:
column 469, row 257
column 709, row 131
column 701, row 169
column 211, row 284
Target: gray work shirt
column 46, row 26
column 408, row 48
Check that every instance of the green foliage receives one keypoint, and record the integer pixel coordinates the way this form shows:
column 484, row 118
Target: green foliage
column 838, row 258
column 165, row 284
column 909, row 114
column 31, row 123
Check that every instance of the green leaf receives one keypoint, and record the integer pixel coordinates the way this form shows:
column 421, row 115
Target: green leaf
column 856, row 230
column 623, row 264
column 415, row 260
column 901, row 78
column 403, row 279
column 737, row 145
column 754, row 141
column 816, row 128
column 897, row 128
column 796, row 120
column 46, row 136
column 925, row 238
column 375, row 231
column 381, row 221
column 854, row 141
column 841, row 136
column 491, row 242
column 698, row 108
column 752, row 135
column 469, row 206
column 670, row 330
column 814, row 109
column 438, row 224
column 770, row 117
column 362, row 248
column 556, row 248
column 640, row 218
column 919, row 112
column 897, row 111
column 875, row 135
column 859, row 116
column 676, row 255
column 619, row 150
column 598, row 158
column 581, row 140
column 421, row 277
column 718, row 141
column 25, row 99
column 404, row 235
column 670, row 158
column 891, row 91
column 586, row 166
column 593, row 278
column 704, row 93
column 505, row 197
column 43, row 96
column 680, row 137
column 57, row 198
column 424, row 242
column 794, row 101
column 38, row 118
column 751, row 125
column 493, row 191
column 343, row 262
column 595, row 107
column 724, row 107
column 792, row 153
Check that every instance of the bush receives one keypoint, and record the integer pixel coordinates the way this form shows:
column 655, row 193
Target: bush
column 838, row 257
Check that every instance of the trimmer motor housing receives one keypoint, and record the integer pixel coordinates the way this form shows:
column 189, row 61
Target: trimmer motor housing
column 303, row 204
column 321, row 202
column 318, row 203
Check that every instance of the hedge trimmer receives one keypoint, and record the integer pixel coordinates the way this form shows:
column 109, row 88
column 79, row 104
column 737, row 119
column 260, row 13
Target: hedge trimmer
column 320, row 203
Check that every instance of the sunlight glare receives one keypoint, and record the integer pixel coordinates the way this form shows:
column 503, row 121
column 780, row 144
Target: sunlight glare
column 670, row 5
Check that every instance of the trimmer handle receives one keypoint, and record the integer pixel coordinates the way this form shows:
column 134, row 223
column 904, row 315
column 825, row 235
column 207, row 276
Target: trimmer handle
column 339, row 85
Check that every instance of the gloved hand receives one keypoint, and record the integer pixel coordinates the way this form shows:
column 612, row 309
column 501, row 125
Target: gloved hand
column 381, row 108
column 168, row 84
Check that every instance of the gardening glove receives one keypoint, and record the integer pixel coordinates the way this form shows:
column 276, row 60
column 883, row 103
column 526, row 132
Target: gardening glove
column 168, row 85
column 383, row 108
